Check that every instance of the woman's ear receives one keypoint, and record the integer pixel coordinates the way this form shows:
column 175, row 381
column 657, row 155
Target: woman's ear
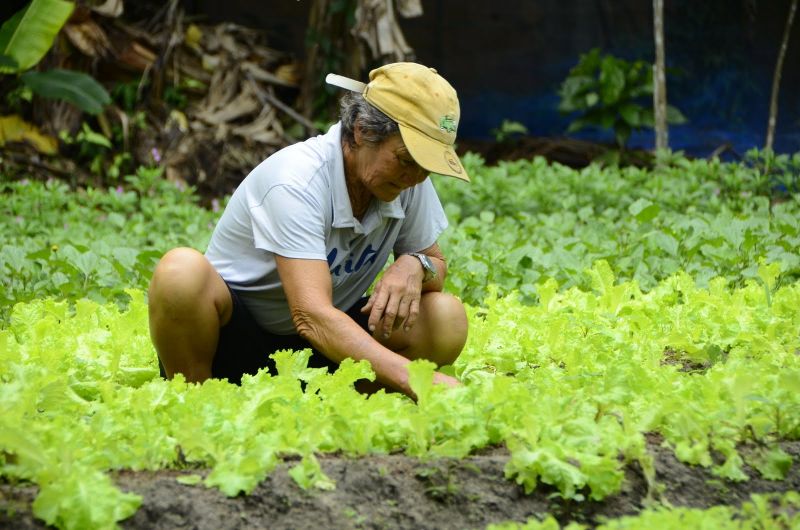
column 358, row 137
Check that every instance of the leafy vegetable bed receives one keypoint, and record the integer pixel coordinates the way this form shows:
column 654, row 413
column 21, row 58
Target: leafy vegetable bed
column 604, row 360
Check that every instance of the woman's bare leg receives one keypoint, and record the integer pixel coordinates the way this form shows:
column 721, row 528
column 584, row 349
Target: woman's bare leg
column 188, row 304
column 439, row 333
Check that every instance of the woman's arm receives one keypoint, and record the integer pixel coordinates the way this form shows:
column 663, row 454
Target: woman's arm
column 308, row 289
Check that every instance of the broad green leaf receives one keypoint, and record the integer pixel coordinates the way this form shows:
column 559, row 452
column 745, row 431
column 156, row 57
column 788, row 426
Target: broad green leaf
column 577, row 125
column 646, row 117
column 84, row 498
column 612, row 80
column 675, row 116
column 769, row 274
column 773, row 464
column 92, row 137
column 666, row 242
column 29, row 34
column 631, row 113
column 420, row 379
column 589, row 62
column 75, row 87
column 644, row 210
column 7, row 31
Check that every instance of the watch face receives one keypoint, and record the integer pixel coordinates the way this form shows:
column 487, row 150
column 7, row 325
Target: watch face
column 427, row 264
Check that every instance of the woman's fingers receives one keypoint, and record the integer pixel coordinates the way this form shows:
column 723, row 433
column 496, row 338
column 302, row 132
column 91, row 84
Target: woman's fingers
column 378, row 302
column 403, row 311
column 442, row 379
column 393, row 303
column 413, row 313
column 368, row 306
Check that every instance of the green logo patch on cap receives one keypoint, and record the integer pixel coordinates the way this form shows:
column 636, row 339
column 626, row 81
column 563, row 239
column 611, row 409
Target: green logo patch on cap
column 447, row 123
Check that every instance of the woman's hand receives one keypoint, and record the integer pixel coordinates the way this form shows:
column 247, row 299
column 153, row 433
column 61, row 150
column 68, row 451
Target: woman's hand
column 395, row 300
column 442, row 379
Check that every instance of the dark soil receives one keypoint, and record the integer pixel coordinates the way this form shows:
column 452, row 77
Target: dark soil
column 394, row 491
column 569, row 152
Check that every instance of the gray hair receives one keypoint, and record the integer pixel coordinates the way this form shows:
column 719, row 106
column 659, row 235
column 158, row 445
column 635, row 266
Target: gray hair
column 375, row 125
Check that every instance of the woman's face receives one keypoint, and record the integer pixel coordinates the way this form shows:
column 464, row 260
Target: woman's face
column 387, row 169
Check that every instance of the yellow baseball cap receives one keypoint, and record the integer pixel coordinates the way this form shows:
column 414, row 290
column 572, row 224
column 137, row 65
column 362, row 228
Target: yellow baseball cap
column 425, row 107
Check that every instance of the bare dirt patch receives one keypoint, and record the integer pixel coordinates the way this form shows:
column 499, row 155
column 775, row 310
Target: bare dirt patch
column 395, row 491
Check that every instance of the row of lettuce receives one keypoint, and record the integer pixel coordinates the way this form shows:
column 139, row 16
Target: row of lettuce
column 572, row 386
column 515, row 225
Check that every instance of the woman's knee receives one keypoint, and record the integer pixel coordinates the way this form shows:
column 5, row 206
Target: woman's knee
column 184, row 279
column 447, row 324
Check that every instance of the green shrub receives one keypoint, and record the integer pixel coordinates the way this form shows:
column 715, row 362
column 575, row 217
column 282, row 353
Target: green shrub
column 611, row 93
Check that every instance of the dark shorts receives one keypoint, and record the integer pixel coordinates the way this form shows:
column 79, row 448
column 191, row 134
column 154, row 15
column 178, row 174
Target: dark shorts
column 244, row 347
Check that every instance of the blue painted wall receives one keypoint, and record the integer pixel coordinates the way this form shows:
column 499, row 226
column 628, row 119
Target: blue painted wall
column 508, row 58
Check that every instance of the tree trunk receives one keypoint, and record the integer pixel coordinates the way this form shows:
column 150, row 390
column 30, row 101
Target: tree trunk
column 776, row 77
column 659, row 78
column 331, row 48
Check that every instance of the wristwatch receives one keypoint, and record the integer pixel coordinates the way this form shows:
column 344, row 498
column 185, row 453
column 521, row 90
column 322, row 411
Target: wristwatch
column 427, row 264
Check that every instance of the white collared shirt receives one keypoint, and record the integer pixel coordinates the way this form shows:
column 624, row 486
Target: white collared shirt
column 295, row 204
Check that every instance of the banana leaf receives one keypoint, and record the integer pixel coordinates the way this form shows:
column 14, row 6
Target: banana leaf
column 78, row 88
column 28, row 35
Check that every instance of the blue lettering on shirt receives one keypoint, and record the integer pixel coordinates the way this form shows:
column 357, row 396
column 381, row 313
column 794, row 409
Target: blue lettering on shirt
column 367, row 257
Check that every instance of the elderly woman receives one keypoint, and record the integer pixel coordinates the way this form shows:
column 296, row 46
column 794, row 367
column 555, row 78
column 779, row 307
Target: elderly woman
column 307, row 233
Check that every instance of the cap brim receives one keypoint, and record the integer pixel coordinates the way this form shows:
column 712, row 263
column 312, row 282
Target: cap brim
column 346, row 83
column 434, row 156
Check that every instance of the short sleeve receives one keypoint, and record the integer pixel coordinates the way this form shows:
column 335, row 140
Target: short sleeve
column 424, row 222
column 289, row 222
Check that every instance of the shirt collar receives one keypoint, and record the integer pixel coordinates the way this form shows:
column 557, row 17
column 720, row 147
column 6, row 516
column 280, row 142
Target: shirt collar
column 342, row 210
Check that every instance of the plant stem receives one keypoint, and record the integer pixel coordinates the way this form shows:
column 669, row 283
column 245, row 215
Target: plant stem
column 776, row 77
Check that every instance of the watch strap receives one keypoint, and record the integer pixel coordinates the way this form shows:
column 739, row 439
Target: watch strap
column 427, row 265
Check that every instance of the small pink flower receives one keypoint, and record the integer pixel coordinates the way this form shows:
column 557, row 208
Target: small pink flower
column 156, row 155
column 119, row 190
column 214, row 205
column 19, row 219
column 24, row 182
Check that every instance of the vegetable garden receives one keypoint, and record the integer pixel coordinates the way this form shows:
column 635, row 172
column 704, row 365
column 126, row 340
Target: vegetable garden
column 633, row 362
